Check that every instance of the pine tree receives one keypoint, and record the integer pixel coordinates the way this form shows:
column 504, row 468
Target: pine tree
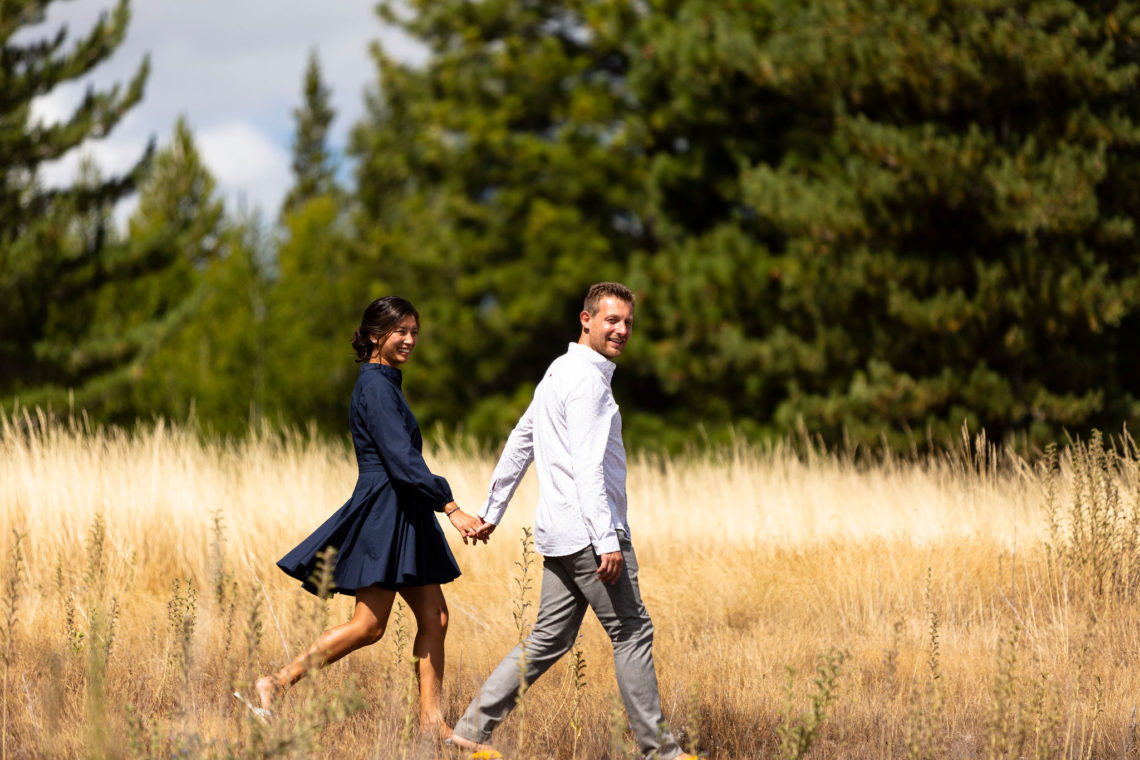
column 708, row 348
column 493, row 186
column 314, row 304
column 320, row 287
column 175, row 236
column 313, row 167
column 877, row 218
column 936, row 223
column 210, row 367
column 57, row 245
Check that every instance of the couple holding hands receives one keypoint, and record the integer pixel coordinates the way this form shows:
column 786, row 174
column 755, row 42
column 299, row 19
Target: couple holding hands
column 388, row 540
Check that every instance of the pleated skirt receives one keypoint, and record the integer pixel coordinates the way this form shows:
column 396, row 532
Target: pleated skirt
column 380, row 540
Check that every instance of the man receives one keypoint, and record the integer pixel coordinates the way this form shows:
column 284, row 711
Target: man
column 572, row 433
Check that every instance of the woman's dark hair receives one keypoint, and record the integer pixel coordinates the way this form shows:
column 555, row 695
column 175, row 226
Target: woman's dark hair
column 380, row 319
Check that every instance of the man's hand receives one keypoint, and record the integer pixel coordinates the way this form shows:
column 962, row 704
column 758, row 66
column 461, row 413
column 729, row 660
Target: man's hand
column 483, row 531
column 610, row 568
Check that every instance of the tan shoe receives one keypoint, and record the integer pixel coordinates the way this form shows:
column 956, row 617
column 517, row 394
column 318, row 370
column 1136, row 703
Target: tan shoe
column 478, row 751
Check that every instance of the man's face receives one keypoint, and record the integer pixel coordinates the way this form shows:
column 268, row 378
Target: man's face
column 607, row 330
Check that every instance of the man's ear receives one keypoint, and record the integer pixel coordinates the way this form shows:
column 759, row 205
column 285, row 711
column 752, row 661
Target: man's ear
column 584, row 318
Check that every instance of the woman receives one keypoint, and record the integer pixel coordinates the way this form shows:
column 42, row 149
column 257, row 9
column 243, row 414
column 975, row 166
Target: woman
column 386, row 536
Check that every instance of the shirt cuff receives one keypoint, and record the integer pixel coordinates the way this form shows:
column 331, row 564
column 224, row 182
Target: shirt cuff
column 607, row 544
column 493, row 516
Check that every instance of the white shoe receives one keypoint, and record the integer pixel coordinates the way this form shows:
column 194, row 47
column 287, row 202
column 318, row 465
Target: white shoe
column 260, row 712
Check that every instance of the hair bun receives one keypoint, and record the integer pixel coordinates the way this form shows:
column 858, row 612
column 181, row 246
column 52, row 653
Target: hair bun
column 361, row 344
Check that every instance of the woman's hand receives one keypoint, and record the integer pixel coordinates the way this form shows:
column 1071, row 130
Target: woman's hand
column 467, row 525
column 485, row 530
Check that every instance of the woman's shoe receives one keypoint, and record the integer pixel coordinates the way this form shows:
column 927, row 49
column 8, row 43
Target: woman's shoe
column 259, row 712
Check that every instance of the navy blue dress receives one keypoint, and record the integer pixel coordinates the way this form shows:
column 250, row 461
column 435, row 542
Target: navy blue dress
column 385, row 535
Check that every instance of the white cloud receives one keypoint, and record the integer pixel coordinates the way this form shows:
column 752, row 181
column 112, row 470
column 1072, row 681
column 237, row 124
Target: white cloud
column 113, row 157
column 53, row 107
column 243, row 157
column 234, row 69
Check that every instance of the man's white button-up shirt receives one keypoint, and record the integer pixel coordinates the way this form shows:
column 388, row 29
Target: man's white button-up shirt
column 572, row 433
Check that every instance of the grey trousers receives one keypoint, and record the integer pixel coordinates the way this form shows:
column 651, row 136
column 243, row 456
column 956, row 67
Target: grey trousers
column 569, row 585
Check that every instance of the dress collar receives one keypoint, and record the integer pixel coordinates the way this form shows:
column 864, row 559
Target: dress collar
column 589, row 355
column 393, row 374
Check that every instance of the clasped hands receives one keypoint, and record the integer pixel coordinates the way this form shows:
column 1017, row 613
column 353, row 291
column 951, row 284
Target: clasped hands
column 469, row 526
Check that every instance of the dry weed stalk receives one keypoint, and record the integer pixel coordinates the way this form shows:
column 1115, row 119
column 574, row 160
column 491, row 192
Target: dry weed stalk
column 14, row 578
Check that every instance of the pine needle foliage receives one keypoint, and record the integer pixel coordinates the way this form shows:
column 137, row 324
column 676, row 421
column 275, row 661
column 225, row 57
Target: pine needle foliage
column 58, row 246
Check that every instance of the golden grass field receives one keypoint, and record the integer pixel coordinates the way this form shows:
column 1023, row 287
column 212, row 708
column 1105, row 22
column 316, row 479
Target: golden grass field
column 959, row 623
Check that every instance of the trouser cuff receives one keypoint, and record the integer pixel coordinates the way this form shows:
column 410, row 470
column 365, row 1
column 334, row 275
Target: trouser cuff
column 466, row 732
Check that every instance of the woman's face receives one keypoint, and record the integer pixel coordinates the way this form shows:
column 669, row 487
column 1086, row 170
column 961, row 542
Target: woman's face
column 397, row 346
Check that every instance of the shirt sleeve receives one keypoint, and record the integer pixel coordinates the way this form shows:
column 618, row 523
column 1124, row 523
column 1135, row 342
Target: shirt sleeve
column 404, row 464
column 590, row 412
column 513, row 463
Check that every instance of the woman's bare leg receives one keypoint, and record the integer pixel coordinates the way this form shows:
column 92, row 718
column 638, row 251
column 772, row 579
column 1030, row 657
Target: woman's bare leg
column 373, row 605
column 430, row 608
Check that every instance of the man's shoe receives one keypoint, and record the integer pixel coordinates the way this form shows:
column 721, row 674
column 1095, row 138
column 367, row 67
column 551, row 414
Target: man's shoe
column 478, row 751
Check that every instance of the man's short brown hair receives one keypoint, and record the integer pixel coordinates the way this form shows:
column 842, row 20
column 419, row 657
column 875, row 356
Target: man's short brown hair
column 600, row 290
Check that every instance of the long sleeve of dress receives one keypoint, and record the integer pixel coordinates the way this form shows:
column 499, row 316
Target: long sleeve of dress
column 403, row 461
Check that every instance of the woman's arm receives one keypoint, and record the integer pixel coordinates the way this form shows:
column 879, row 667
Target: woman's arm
column 405, row 465
column 468, row 526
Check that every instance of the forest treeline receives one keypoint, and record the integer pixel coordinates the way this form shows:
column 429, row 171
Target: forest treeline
column 855, row 217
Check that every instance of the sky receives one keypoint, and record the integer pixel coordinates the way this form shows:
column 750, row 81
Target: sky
column 234, row 69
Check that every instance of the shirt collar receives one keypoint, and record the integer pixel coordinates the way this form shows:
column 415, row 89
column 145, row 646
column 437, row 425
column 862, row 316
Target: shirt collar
column 393, row 374
column 589, row 355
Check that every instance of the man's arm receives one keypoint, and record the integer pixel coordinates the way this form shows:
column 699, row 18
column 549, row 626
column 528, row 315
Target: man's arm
column 513, row 463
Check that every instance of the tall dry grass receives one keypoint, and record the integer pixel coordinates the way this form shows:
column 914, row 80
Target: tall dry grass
column 806, row 604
